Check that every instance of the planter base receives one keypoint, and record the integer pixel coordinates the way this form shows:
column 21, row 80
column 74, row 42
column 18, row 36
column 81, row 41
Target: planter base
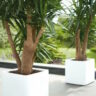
column 80, row 72
column 35, row 84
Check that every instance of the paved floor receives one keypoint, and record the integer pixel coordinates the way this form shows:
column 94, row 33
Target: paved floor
column 59, row 88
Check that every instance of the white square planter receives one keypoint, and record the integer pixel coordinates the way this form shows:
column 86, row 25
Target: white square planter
column 35, row 84
column 79, row 72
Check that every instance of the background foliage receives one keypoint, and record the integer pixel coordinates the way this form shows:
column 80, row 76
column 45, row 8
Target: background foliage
column 55, row 45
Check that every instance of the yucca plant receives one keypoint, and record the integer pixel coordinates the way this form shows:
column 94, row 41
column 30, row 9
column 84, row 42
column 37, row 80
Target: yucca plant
column 82, row 18
column 30, row 17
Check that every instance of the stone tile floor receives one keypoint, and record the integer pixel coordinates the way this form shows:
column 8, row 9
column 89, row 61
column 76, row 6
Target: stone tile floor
column 58, row 87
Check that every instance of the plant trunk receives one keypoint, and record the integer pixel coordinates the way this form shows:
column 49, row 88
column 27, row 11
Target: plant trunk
column 81, row 54
column 78, row 45
column 84, row 47
column 30, row 45
column 27, row 53
column 29, row 50
column 13, row 46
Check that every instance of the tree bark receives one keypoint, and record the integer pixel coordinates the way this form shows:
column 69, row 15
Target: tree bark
column 78, row 45
column 29, row 47
column 27, row 62
column 84, row 47
column 13, row 46
column 26, row 67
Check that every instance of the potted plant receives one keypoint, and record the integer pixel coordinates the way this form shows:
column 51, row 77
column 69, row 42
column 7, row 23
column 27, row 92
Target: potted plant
column 81, row 70
column 30, row 18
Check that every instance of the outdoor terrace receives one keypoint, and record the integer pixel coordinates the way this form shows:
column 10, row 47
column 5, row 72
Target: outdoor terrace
column 57, row 85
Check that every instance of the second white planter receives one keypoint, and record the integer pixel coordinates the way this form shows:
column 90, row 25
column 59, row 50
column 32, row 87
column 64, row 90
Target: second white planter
column 35, row 84
column 80, row 72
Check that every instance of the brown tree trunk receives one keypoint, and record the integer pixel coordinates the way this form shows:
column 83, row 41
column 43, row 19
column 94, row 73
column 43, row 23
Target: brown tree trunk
column 84, row 47
column 13, row 46
column 27, row 62
column 29, row 51
column 29, row 47
column 78, row 45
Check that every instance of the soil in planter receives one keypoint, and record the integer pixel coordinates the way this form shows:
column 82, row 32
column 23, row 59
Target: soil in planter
column 79, row 60
column 16, row 72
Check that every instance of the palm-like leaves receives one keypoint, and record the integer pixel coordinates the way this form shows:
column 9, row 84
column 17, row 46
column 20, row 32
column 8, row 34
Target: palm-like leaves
column 42, row 13
column 84, row 14
column 82, row 11
column 79, row 23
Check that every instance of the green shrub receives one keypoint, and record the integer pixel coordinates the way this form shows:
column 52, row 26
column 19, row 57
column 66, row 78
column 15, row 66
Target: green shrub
column 3, row 37
column 93, row 49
